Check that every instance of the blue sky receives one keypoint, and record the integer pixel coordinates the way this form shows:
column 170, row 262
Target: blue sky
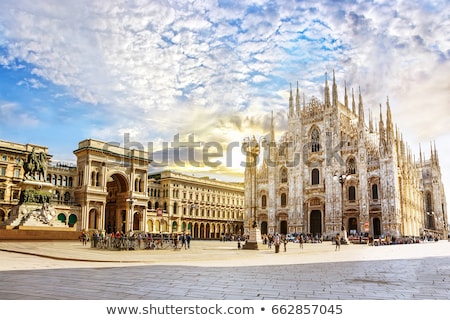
column 71, row 70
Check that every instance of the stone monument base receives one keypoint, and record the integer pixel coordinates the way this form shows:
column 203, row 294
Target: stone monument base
column 254, row 242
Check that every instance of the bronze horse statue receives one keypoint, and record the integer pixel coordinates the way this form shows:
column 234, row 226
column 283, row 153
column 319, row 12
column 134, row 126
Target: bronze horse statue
column 36, row 163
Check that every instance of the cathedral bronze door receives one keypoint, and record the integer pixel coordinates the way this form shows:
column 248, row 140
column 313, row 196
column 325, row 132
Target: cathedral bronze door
column 376, row 227
column 264, row 227
column 283, row 227
column 315, row 222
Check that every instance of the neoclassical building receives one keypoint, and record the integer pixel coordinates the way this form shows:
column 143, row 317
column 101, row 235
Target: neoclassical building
column 110, row 188
column 204, row 207
column 60, row 175
column 332, row 172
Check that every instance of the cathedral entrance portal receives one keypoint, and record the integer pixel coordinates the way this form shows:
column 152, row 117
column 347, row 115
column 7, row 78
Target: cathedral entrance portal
column 264, row 227
column 283, row 227
column 376, row 227
column 353, row 225
column 315, row 222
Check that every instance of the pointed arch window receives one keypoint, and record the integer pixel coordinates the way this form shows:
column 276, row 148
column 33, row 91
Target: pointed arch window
column 283, row 199
column 315, row 140
column 315, row 178
column 263, row 201
column 351, row 166
column 374, row 191
column 429, row 202
column 283, row 175
column 351, row 193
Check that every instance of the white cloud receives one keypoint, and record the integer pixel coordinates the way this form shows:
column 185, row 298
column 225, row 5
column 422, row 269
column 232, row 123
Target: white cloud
column 14, row 113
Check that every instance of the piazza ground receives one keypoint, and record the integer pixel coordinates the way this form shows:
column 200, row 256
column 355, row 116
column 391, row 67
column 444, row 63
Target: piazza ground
column 218, row 270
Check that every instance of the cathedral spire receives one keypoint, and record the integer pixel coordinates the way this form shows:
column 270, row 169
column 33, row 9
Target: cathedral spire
column 353, row 103
column 370, row 122
column 334, row 92
column 327, row 92
column 272, row 143
column 420, row 154
column 389, row 124
column 381, row 127
column 436, row 157
column 291, row 104
column 272, row 130
column 297, row 102
column 431, row 153
column 345, row 95
column 360, row 108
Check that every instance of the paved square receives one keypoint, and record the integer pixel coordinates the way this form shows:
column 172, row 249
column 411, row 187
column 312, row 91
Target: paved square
column 213, row 270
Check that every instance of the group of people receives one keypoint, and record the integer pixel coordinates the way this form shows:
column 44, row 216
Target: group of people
column 185, row 240
column 132, row 240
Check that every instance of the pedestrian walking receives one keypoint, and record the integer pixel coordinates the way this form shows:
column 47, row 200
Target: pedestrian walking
column 338, row 242
column 276, row 242
column 84, row 237
column 183, row 241
column 188, row 240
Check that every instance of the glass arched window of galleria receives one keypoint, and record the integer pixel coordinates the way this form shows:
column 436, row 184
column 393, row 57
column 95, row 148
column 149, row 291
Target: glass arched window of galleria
column 315, row 140
column 283, row 175
column 283, row 200
column 315, row 176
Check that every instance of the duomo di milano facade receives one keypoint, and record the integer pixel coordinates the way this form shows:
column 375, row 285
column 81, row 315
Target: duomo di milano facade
column 330, row 172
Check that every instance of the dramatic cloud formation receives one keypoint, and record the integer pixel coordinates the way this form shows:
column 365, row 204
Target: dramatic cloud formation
column 217, row 69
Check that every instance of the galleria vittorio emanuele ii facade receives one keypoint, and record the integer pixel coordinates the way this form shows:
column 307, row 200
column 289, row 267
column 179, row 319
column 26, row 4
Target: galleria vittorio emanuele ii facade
column 333, row 172
column 110, row 188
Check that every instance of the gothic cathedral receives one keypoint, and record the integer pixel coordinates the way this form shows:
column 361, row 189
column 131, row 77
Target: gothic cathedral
column 331, row 172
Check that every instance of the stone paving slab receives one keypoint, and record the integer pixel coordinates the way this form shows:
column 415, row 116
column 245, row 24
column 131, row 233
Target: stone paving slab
column 215, row 253
column 217, row 271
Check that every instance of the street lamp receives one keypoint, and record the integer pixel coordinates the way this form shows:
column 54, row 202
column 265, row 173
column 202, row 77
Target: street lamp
column 341, row 178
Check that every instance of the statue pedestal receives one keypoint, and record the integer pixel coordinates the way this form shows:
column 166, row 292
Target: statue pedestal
column 254, row 242
column 36, row 185
column 34, row 209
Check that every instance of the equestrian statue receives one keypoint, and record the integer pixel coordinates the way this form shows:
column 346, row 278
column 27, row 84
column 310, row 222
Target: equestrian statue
column 36, row 163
